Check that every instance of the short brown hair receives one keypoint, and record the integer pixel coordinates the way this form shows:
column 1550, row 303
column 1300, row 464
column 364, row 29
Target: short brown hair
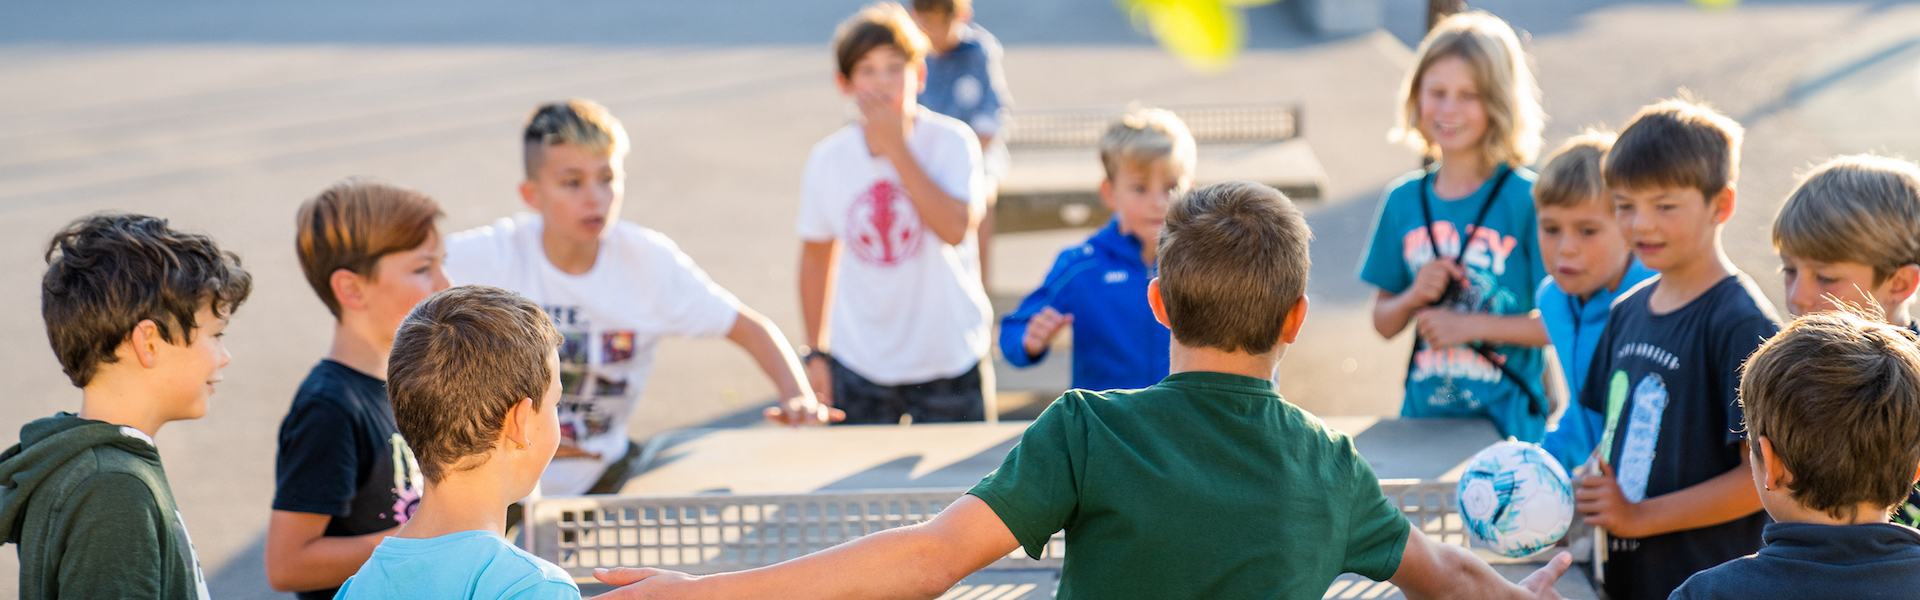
column 1571, row 177
column 1145, row 134
column 1861, row 209
column 1676, row 143
column 942, row 7
column 107, row 272
column 461, row 360
column 578, row 122
column 877, row 25
column 1501, row 75
column 1838, row 396
column 1233, row 262
column 354, row 223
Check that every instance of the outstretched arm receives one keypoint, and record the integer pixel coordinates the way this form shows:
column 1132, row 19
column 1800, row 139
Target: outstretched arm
column 762, row 339
column 919, row 561
column 1430, row 569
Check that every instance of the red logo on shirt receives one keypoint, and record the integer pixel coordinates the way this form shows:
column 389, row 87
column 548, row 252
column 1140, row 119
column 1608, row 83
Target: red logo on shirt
column 883, row 228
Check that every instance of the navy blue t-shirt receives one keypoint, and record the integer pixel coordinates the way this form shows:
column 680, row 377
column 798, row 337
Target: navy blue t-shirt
column 1803, row 561
column 341, row 455
column 1675, row 378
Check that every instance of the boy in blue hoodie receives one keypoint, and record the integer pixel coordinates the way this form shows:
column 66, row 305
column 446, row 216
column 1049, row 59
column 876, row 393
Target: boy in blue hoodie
column 135, row 312
column 1588, row 265
column 1098, row 286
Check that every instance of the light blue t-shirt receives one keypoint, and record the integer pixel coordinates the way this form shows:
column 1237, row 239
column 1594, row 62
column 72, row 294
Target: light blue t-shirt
column 1574, row 327
column 1503, row 267
column 465, row 565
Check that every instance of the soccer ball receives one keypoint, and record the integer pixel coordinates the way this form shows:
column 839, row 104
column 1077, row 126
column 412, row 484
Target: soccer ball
column 1515, row 498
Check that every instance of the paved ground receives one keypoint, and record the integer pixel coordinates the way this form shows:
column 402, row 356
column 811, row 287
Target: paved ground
column 224, row 115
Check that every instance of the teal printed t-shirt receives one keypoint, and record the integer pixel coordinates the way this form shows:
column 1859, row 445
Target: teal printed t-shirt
column 1503, row 267
column 457, row 566
column 1206, row 485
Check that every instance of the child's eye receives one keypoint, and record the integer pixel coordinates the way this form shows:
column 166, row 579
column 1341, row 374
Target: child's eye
column 1550, row 230
column 1826, row 281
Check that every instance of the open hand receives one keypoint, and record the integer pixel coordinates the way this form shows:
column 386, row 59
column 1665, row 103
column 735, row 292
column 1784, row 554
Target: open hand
column 642, row 583
column 1541, row 581
column 1041, row 330
column 803, row 410
column 1601, row 502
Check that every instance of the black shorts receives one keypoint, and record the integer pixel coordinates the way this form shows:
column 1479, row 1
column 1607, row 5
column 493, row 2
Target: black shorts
column 938, row 401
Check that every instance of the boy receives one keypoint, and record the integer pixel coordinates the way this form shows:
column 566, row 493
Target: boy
column 475, row 379
column 346, row 479
column 1674, row 492
column 135, row 311
column 1588, row 265
column 1833, row 418
column 1846, row 236
column 1099, row 285
column 964, row 81
column 898, row 322
column 1208, row 485
column 614, row 290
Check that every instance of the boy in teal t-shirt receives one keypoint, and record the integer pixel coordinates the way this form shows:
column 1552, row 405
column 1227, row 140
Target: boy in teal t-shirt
column 1207, row 485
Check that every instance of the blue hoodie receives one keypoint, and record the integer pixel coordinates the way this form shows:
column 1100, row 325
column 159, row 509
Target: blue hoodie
column 1117, row 344
column 1574, row 328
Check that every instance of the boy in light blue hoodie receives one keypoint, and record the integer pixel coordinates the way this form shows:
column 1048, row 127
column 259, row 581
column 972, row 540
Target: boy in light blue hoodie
column 1100, row 286
column 1588, row 265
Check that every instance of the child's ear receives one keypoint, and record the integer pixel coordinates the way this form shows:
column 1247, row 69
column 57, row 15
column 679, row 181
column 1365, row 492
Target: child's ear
column 519, row 422
column 1106, row 194
column 843, row 82
column 1159, row 307
column 347, row 290
column 143, row 342
column 1772, row 472
column 1902, row 283
column 527, row 194
column 1722, row 206
column 1296, row 319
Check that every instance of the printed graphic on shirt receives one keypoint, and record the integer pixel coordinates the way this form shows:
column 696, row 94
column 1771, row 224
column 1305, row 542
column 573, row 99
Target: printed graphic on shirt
column 967, row 91
column 594, row 369
column 882, row 227
column 1643, row 434
column 1486, row 258
column 199, row 576
column 407, row 480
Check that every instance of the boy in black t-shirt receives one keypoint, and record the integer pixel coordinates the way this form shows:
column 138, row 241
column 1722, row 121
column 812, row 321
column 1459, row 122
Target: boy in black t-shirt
column 346, row 478
column 1674, row 489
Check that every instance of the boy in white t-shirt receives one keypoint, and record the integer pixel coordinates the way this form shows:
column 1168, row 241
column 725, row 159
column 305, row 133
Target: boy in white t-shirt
column 613, row 288
column 889, row 277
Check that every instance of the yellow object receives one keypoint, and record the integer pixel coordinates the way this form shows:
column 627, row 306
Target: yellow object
column 1716, row 4
column 1205, row 34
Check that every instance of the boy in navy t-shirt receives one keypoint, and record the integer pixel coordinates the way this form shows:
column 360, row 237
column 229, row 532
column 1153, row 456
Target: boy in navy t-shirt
column 1675, row 492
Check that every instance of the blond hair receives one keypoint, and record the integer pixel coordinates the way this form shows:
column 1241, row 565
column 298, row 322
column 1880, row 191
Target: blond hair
column 578, row 122
column 1861, row 208
column 1500, row 73
column 1571, row 175
column 1145, row 134
column 1678, row 143
column 881, row 24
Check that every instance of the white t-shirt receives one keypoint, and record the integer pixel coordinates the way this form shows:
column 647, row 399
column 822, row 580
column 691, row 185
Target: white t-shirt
column 641, row 288
column 907, row 307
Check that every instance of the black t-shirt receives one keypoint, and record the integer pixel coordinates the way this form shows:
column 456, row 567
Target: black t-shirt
column 1676, row 379
column 341, row 455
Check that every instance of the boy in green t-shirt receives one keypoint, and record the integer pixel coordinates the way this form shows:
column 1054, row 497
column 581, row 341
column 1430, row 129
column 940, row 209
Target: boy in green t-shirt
column 1208, row 485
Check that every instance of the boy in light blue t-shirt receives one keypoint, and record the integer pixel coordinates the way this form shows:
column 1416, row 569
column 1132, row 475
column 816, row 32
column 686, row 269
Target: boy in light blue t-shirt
column 474, row 380
column 1588, row 266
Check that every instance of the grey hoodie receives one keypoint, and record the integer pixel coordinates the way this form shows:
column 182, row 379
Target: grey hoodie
column 89, row 506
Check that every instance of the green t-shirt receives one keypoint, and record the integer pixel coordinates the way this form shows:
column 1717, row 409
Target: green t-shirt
column 1205, row 486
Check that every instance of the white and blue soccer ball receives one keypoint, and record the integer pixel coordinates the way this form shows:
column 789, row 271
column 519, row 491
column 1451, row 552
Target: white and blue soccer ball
column 1515, row 498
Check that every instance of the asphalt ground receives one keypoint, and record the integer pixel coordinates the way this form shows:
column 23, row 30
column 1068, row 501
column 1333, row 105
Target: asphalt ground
column 224, row 115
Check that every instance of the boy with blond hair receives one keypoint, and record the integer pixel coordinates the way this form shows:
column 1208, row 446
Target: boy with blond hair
column 614, row 290
column 1207, row 485
column 1833, row 422
column 1846, row 235
column 135, row 311
column 1098, row 285
column 1588, row 265
column 897, row 320
column 1674, row 491
column 346, row 477
column 475, row 382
